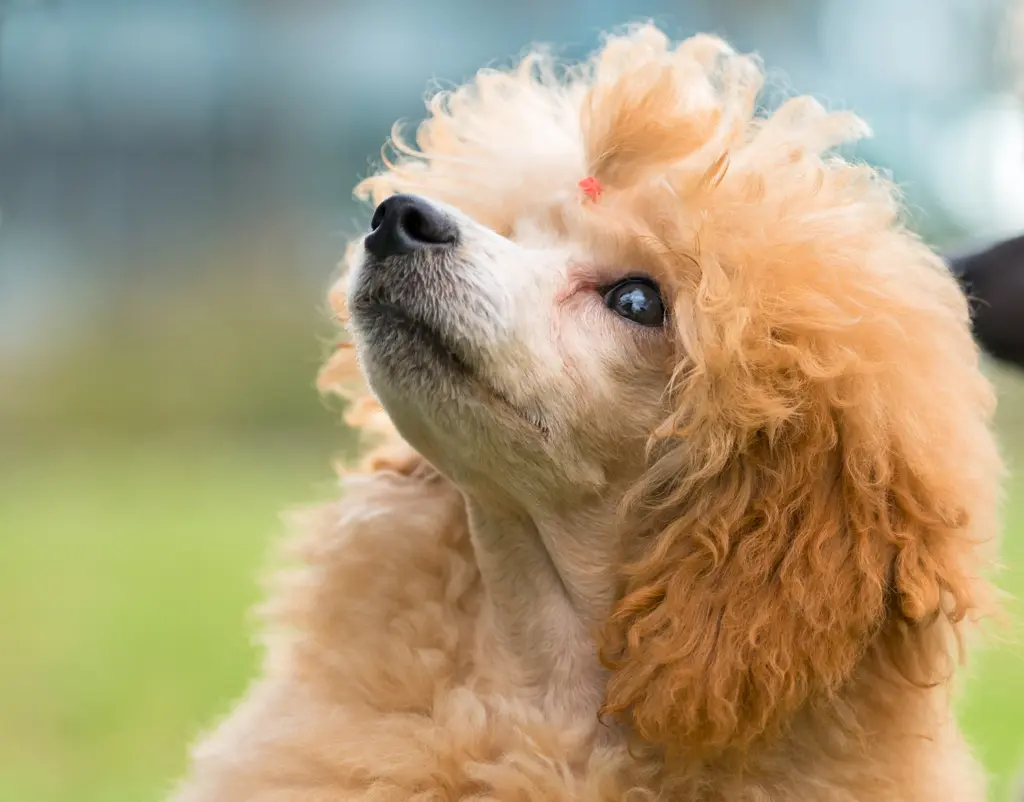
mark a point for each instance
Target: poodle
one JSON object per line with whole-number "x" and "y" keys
{"x": 684, "y": 487}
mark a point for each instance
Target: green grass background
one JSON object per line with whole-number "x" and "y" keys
{"x": 126, "y": 574}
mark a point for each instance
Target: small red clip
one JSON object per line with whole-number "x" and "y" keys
{"x": 591, "y": 187}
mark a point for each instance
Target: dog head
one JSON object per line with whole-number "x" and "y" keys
{"x": 727, "y": 326}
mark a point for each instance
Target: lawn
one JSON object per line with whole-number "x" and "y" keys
{"x": 125, "y": 576}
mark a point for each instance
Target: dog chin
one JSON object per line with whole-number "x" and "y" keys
{"x": 406, "y": 344}
{"x": 421, "y": 362}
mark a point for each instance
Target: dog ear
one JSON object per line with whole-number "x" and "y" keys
{"x": 994, "y": 279}
{"x": 766, "y": 580}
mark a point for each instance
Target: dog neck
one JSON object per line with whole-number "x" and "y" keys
{"x": 549, "y": 582}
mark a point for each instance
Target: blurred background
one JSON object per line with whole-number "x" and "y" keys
{"x": 174, "y": 195}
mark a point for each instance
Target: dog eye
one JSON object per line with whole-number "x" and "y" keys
{"x": 637, "y": 299}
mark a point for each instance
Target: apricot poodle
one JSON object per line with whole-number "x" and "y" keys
{"x": 686, "y": 487}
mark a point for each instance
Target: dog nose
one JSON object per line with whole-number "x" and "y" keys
{"x": 407, "y": 223}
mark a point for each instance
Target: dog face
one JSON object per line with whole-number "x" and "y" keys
{"x": 509, "y": 361}
{"x": 800, "y": 445}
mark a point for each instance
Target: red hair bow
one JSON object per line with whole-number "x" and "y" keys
{"x": 591, "y": 187}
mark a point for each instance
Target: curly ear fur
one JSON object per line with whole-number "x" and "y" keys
{"x": 827, "y": 479}
{"x": 768, "y": 585}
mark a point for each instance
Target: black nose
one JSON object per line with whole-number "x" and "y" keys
{"x": 407, "y": 223}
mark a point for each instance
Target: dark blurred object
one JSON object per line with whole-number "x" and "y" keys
{"x": 993, "y": 277}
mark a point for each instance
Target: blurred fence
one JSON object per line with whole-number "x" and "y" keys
{"x": 175, "y": 176}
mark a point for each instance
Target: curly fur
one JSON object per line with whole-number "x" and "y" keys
{"x": 806, "y": 540}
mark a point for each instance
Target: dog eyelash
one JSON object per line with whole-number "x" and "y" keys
{"x": 605, "y": 288}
